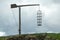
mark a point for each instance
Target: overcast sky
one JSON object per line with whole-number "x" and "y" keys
{"x": 9, "y": 17}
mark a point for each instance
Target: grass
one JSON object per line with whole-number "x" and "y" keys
{"x": 57, "y": 36}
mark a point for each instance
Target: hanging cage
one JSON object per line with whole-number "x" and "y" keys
{"x": 39, "y": 18}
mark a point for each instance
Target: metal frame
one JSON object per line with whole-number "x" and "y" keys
{"x": 15, "y": 6}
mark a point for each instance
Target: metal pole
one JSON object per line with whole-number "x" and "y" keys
{"x": 19, "y": 20}
{"x": 28, "y": 5}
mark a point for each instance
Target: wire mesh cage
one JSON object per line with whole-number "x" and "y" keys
{"x": 39, "y": 18}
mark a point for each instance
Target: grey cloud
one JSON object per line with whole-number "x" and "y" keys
{"x": 56, "y": 1}
{"x": 8, "y": 24}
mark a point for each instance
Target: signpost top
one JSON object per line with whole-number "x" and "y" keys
{"x": 14, "y": 5}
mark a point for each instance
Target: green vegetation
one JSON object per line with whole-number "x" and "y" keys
{"x": 54, "y": 35}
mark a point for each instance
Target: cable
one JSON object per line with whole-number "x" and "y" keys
{"x": 14, "y": 17}
{"x": 20, "y": 1}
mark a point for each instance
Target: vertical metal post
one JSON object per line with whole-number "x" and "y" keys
{"x": 19, "y": 20}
